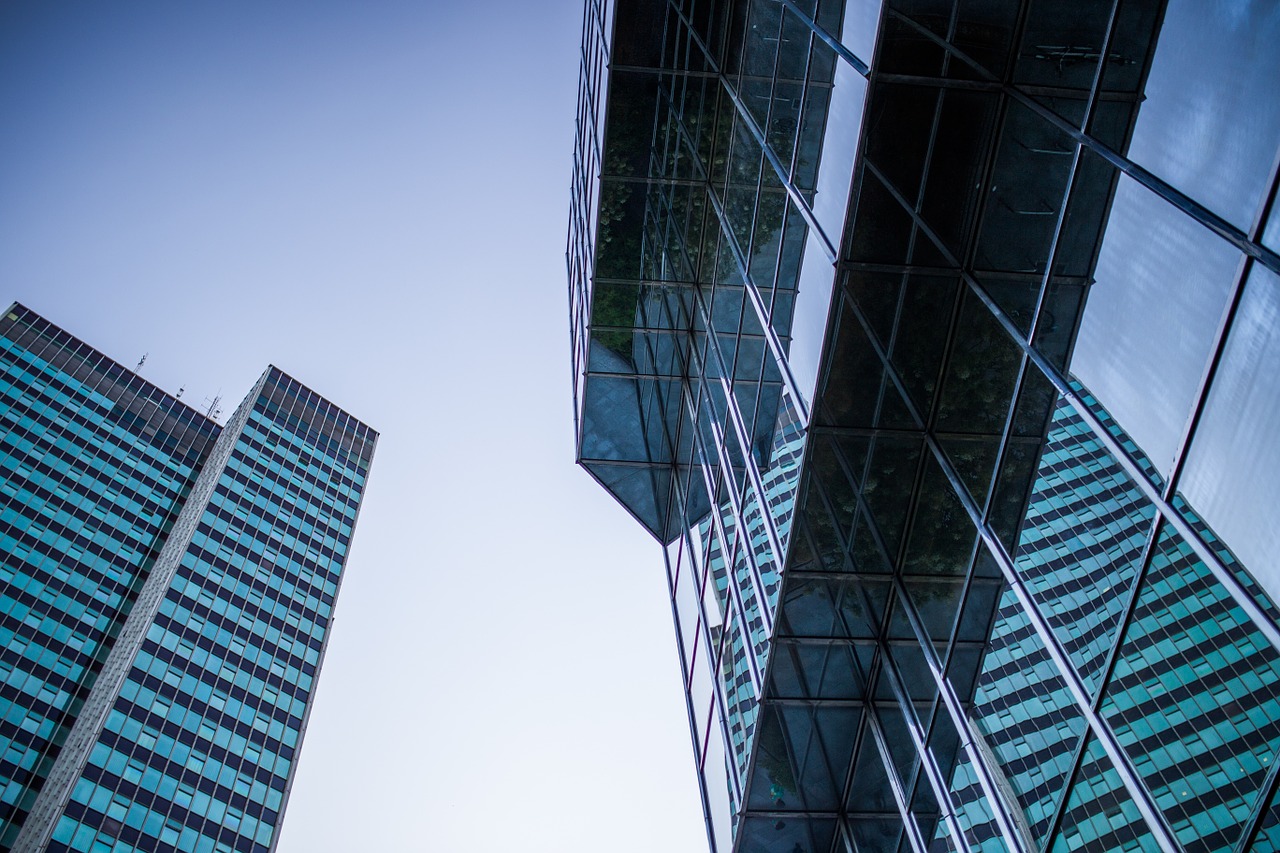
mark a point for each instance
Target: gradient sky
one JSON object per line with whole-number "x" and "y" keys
{"x": 373, "y": 196}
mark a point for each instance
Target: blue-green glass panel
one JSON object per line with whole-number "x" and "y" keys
{"x": 1195, "y": 699}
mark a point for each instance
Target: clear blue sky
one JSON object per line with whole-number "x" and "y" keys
{"x": 373, "y": 196}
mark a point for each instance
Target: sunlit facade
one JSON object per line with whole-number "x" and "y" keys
{"x": 166, "y": 587}
{"x": 982, "y": 302}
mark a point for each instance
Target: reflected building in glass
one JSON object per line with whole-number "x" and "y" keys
{"x": 166, "y": 589}
{"x": 938, "y": 343}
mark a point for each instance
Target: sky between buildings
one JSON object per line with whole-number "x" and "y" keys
{"x": 373, "y": 196}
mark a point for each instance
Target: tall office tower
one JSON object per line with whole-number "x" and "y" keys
{"x": 166, "y": 586}
{"x": 1007, "y": 274}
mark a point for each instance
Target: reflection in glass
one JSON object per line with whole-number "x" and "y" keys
{"x": 1100, "y": 815}
{"x": 844, "y": 120}
{"x": 1194, "y": 699}
{"x": 1083, "y": 542}
{"x": 1210, "y": 123}
{"x": 1271, "y": 236}
{"x": 809, "y": 325}
{"x": 1232, "y": 476}
{"x": 1161, "y": 284}
{"x": 861, "y": 24}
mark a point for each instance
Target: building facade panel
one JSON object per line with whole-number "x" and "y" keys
{"x": 96, "y": 463}
{"x": 186, "y": 736}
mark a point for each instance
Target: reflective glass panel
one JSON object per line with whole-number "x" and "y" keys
{"x": 860, "y": 26}
{"x": 1210, "y": 121}
{"x": 1232, "y": 478}
{"x": 848, "y": 96}
{"x": 1271, "y": 237}
{"x": 809, "y": 326}
{"x": 1161, "y": 284}
{"x": 1027, "y": 717}
{"x": 1195, "y": 699}
{"x": 1100, "y": 814}
{"x": 1083, "y": 541}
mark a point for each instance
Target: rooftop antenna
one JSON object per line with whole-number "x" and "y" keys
{"x": 180, "y": 390}
{"x": 212, "y": 411}
{"x": 141, "y": 362}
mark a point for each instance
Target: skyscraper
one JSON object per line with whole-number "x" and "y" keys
{"x": 166, "y": 588}
{"x": 1003, "y": 277}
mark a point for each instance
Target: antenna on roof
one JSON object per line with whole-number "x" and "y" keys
{"x": 141, "y": 362}
{"x": 180, "y": 390}
{"x": 212, "y": 411}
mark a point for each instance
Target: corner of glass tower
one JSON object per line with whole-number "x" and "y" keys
{"x": 935, "y": 343}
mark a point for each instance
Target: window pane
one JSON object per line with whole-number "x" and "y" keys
{"x": 1210, "y": 123}
{"x": 1161, "y": 284}
{"x": 1232, "y": 477}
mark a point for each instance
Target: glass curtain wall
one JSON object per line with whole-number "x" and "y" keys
{"x": 1003, "y": 277}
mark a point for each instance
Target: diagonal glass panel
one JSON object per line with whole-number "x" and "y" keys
{"x": 875, "y": 835}
{"x": 802, "y": 756}
{"x": 1161, "y": 266}
{"x": 1100, "y": 814}
{"x": 870, "y": 793}
{"x": 942, "y": 536}
{"x": 1268, "y": 838}
{"x": 1082, "y": 541}
{"x": 792, "y": 835}
{"x": 973, "y": 812}
{"x": 1236, "y": 436}
{"x": 1211, "y": 127}
{"x": 818, "y": 671}
{"x": 1195, "y": 699}
{"x": 888, "y": 485}
{"x": 1027, "y": 718}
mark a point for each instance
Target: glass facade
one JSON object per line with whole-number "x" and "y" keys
{"x": 96, "y": 463}
{"x": 936, "y": 341}
{"x": 169, "y": 585}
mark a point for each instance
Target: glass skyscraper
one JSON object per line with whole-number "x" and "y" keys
{"x": 937, "y": 342}
{"x": 166, "y": 586}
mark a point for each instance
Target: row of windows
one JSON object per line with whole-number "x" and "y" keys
{"x": 52, "y": 482}
{"x": 244, "y": 519}
{"x": 261, "y": 742}
{"x": 148, "y": 820}
{"x": 66, "y": 356}
{"x": 274, "y": 650}
{"x": 64, "y": 418}
{"x": 24, "y": 653}
{"x": 173, "y": 723}
{"x": 82, "y": 410}
{"x": 284, "y": 492}
{"x": 59, "y": 593}
{"x": 45, "y": 508}
{"x": 269, "y": 596}
{"x": 160, "y": 749}
{"x": 272, "y": 494}
{"x": 202, "y": 652}
{"x": 297, "y": 409}
{"x": 22, "y": 548}
{"x": 298, "y": 516}
{"x": 344, "y": 478}
{"x": 300, "y": 488}
{"x": 66, "y": 473}
{"x": 284, "y": 451}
